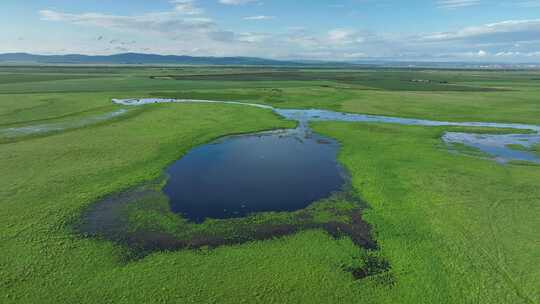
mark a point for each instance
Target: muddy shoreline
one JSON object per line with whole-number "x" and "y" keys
{"x": 109, "y": 220}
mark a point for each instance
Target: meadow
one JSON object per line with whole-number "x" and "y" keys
{"x": 447, "y": 227}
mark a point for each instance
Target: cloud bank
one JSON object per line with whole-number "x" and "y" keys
{"x": 187, "y": 29}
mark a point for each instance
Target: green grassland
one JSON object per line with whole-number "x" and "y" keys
{"x": 453, "y": 228}
{"x": 471, "y": 228}
{"x": 504, "y": 96}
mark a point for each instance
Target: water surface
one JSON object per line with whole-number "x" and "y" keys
{"x": 270, "y": 171}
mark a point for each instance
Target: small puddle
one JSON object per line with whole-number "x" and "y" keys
{"x": 269, "y": 171}
{"x": 497, "y": 145}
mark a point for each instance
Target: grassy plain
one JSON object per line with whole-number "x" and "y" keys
{"x": 454, "y": 228}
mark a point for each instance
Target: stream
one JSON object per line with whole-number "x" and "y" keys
{"x": 495, "y": 145}
{"x": 287, "y": 170}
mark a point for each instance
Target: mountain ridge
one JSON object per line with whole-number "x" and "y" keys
{"x": 139, "y": 58}
{"x": 156, "y": 59}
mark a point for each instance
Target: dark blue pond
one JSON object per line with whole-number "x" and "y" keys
{"x": 272, "y": 171}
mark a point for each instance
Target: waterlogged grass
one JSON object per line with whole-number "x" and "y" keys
{"x": 523, "y": 163}
{"x": 467, "y": 150}
{"x": 141, "y": 219}
{"x": 455, "y": 229}
{"x": 138, "y": 217}
{"x": 534, "y": 148}
{"x": 518, "y": 147}
{"x": 64, "y": 124}
{"x": 486, "y": 130}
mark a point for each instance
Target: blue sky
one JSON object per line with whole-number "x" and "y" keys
{"x": 440, "y": 30}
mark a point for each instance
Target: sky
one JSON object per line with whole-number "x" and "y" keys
{"x": 345, "y": 30}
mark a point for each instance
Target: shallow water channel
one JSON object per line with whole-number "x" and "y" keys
{"x": 36, "y": 129}
{"x": 289, "y": 169}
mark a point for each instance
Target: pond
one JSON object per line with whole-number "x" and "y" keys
{"x": 269, "y": 171}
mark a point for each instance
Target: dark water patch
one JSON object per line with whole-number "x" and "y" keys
{"x": 357, "y": 229}
{"x": 375, "y": 267}
{"x": 271, "y": 171}
{"x": 108, "y": 218}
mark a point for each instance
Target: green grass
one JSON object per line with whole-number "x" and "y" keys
{"x": 454, "y": 228}
{"x": 395, "y": 80}
{"x": 514, "y": 106}
{"x": 534, "y": 148}
{"x": 517, "y": 147}
{"x": 383, "y": 92}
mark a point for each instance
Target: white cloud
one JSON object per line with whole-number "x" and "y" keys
{"x": 182, "y": 31}
{"x": 341, "y": 36}
{"x": 533, "y": 54}
{"x": 253, "y": 37}
{"x": 481, "y": 53}
{"x": 187, "y": 7}
{"x": 453, "y": 4}
{"x": 170, "y": 23}
{"x": 526, "y": 4}
{"x": 518, "y": 54}
{"x": 260, "y": 17}
{"x": 355, "y": 55}
{"x": 236, "y": 2}
{"x": 507, "y": 54}
{"x": 510, "y": 30}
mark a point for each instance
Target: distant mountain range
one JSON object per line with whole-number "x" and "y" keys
{"x": 135, "y": 58}
{"x": 153, "y": 59}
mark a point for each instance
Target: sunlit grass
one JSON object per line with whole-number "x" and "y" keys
{"x": 454, "y": 228}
